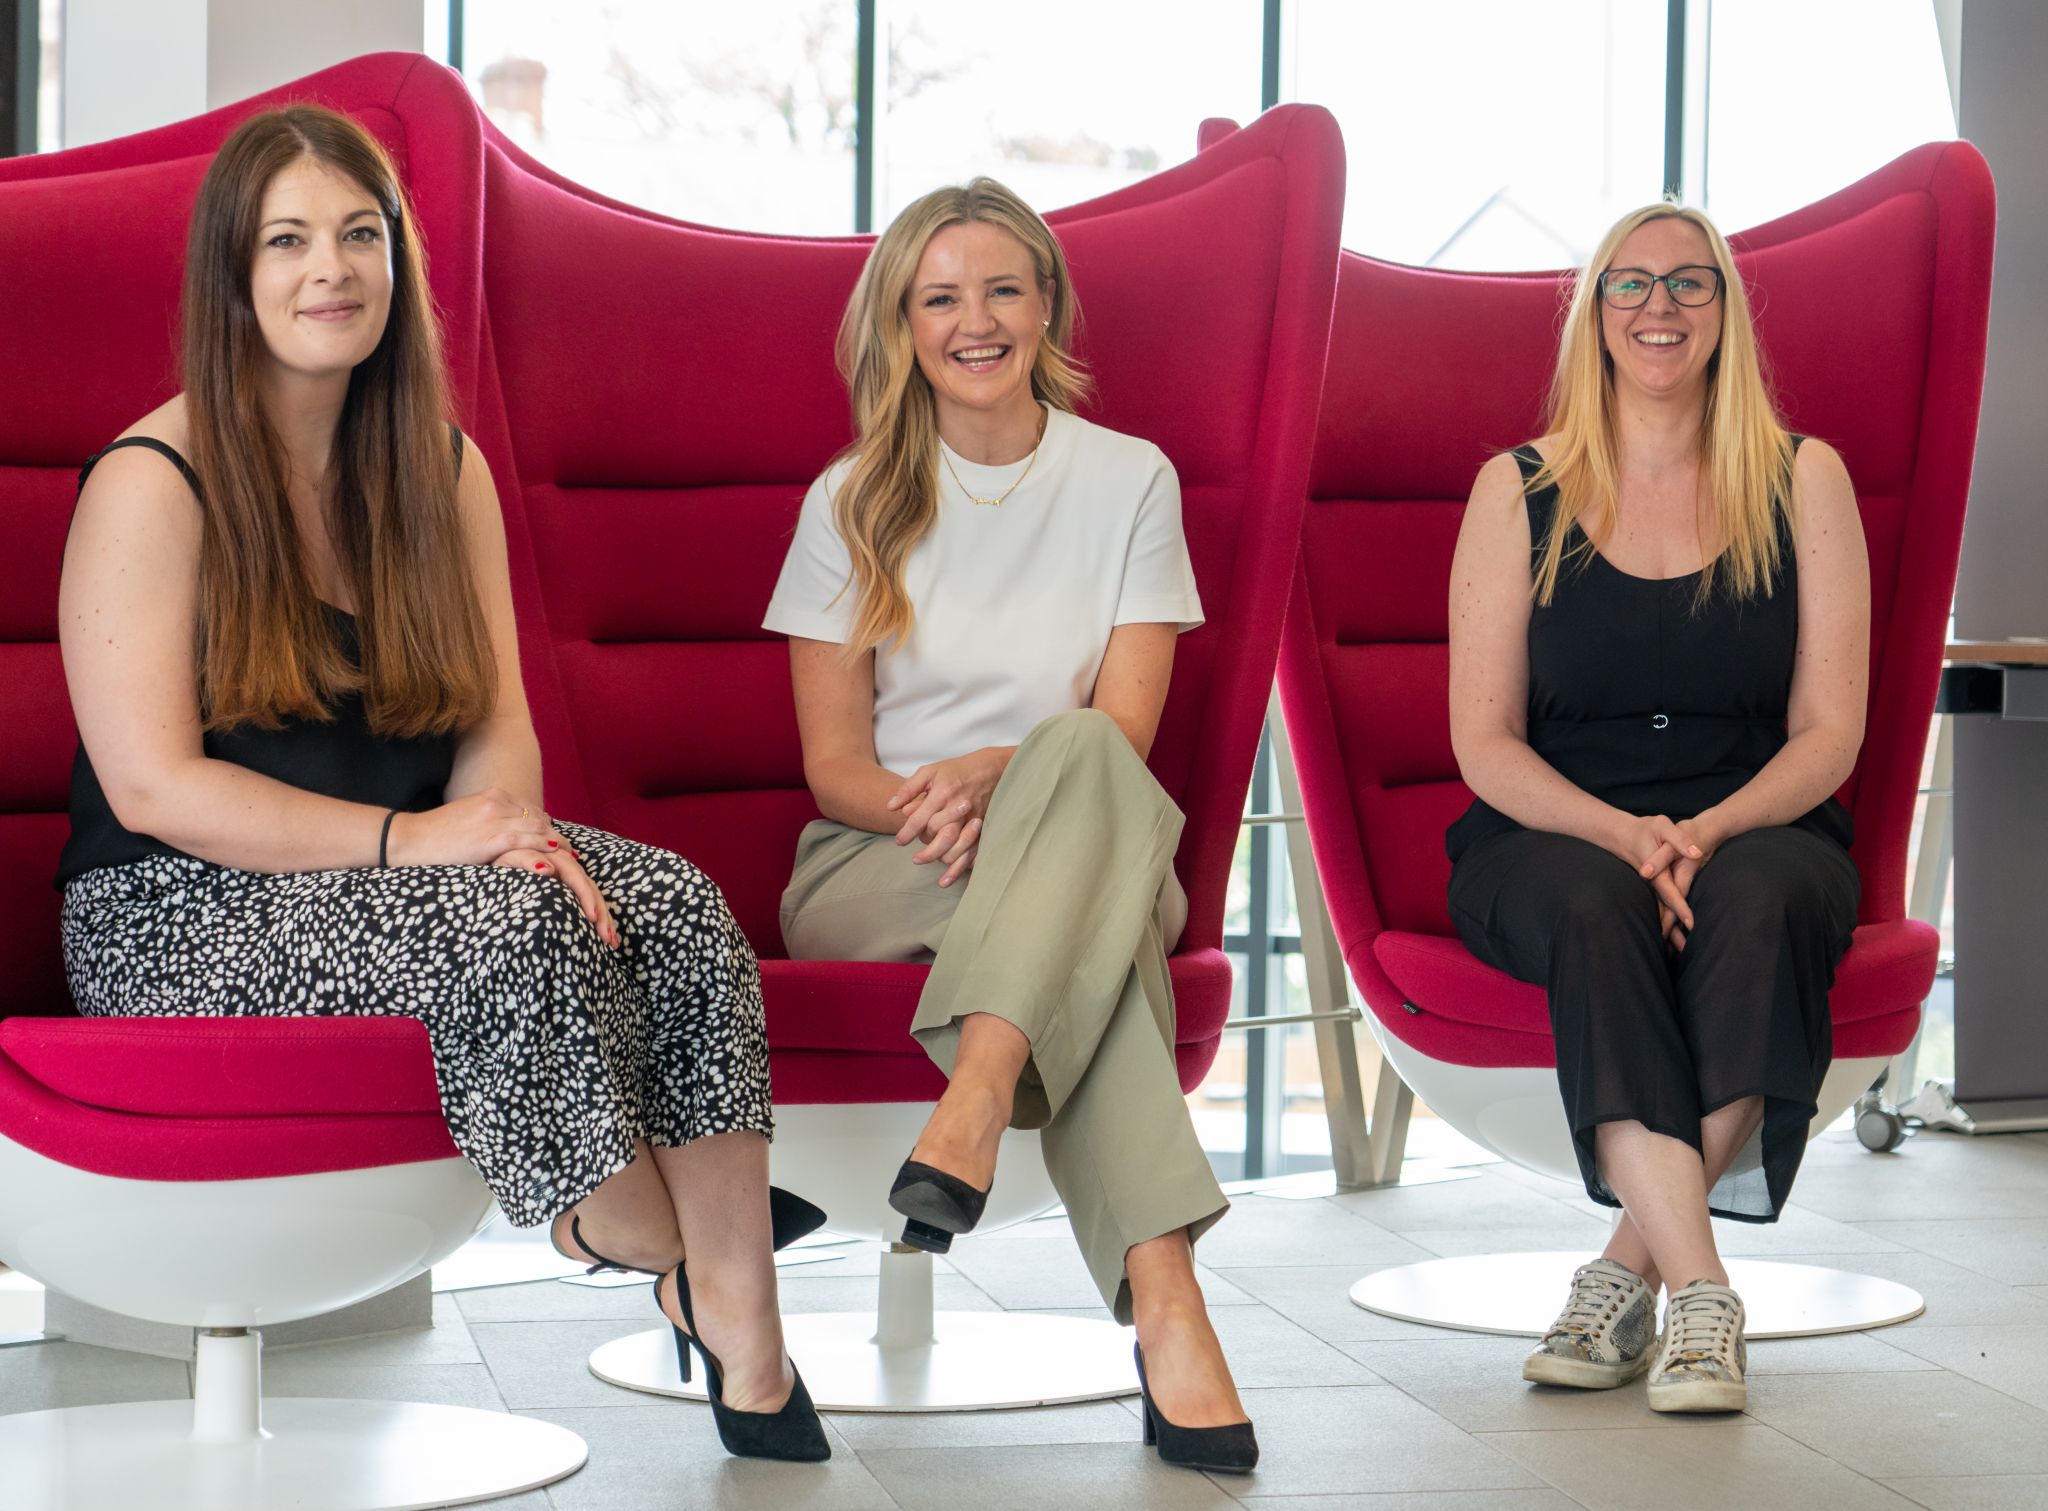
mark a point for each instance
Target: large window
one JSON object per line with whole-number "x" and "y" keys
{"x": 1480, "y": 134}
{"x": 739, "y": 115}
{"x": 1489, "y": 134}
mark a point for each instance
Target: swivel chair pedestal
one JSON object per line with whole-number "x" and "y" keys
{"x": 905, "y": 1355}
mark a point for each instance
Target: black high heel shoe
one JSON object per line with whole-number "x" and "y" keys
{"x": 794, "y": 1434}
{"x": 1230, "y": 1449}
{"x": 938, "y": 1206}
{"x": 790, "y": 1217}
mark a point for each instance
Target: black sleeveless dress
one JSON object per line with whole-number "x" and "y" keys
{"x": 1657, "y": 704}
{"x": 553, "y": 1052}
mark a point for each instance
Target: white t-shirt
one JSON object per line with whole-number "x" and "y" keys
{"x": 1013, "y": 605}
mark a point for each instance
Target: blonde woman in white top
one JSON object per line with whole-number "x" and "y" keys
{"x": 982, "y": 597}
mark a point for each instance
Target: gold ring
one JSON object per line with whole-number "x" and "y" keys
{"x": 524, "y": 811}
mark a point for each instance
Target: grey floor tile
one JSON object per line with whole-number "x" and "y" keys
{"x": 1267, "y": 1230}
{"x": 1318, "y": 1297}
{"x": 1908, "y": 1190}
{"x": 2013, "y": 1250}
{"x": 1798, "y": 1231}
{"x": 1833, "y": 1354}
{"x": 1567, "y": 1232}
{"x": 1113, "y": 1477}
{"x": 1366, "y": 1440}
{"x": 1645, "y": 1469}
{"x": 1955, "y": 1297}
{"x": 2009, "y": 1359}
{"x": 1481, "y": 1203}
{"x": 1265, "y": 1349}
{"x": 1981, "y": 1492}
{"x": 1474, "y": 1381}
{"x": 448, "y": 1341}
{"x": 554, "y": 1301}
{"x": 662, "y": 1461}
{"x": 304, "y": 1373}
{"x": 546, "y": 1365}
{"x": 40, "y": 1376}
{"x": 1091, "y": 1422}
{"x": 1418, "y": 1500}
{"x": 1890, "y": 1425}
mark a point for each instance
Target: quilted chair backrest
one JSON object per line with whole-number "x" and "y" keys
{"x": 92, "y": 247}
{"x": 669, "y": 393}
{"x": 1871, "y": 308}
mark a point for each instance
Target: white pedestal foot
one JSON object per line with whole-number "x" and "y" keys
{"x": 312, "y": 1456}
{"x": 978, "y": 1361}
{"x": 1521, "y": 1294}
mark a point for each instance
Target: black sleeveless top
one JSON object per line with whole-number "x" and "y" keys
{"x": 1643, "y": 697}
{"x": 341, "y": 758}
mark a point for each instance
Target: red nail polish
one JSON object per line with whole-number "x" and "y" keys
{"x": 540, "y": 865}
{"x": 554, "y": 844}
{"x": 577, "y": 853}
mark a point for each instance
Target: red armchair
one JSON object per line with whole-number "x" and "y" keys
{"x": 1405, "y": 427}
{"x": 652, "y": 458}
{"x": 652, "y": 398}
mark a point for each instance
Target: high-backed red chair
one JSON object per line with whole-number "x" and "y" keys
{"x": 660, "y": 422}
{"x": 1431, "y": 373}
{"x": 220, "y": 1174}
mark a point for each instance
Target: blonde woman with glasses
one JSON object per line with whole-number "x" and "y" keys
{"x": 1659, "y": 642}
{"x": 982, "y": 600}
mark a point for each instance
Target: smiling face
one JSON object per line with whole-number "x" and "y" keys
{"x": 1661, "y": 347}
{"x": 976, "y": 315}
{"x": 320, "y": 280}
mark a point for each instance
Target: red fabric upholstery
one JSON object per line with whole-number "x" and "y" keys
{"x": 653, "y": 398}
{"x": 1432, "y": 372}
{"x": 229, "y": 1067}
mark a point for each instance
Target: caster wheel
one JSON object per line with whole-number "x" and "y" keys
{"x": 1880, "y": 1130}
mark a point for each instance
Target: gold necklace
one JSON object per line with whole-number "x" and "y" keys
{"x": 997, "y": 501}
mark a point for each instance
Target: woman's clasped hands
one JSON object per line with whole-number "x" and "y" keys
{"x": 945, "y": 804}
{"x": 494, "y": 828}
{"x": 1668, "y": 854}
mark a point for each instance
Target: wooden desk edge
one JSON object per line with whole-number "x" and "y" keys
{"x": 1996, "y": 653}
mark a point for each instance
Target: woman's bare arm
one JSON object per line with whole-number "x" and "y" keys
{"x": 1831, "y": 669}
{"x": 126, "y": 611}
{"x": 1131, "y": 685}
{"x": 835, "y": 715}
{"x": 1489, "y": 683}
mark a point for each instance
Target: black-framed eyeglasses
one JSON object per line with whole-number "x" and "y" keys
{"x": 1628, "y": 288}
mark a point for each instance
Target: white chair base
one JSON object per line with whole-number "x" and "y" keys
{"x": 228, "y": 1450}
{"x": 1521, "y": 1294}
{"x": 907, "y": 1357}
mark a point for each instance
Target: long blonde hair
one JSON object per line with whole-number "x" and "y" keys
{"x": 1746, "y": 448}
{"x": 889, "y": 499}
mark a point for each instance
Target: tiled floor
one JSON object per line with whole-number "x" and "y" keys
{"x": 1947, "y": 1412}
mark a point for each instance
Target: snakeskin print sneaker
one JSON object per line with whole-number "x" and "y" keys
{"x": 1602, "y": 1337}
{"x": 1702, "y": 1357}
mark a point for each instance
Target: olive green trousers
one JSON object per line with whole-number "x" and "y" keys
{"x": 1061, "y": 928}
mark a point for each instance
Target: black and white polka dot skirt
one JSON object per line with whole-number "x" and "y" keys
{"x": 554, "y": 1051}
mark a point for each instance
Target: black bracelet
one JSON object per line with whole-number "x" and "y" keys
{"x": 384, "y": 842}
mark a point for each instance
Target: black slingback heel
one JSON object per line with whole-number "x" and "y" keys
{"x": 937, "y": 1205}
{"x": 1229, "y": 1449}
{"x": 794, "y": 1434}
{"x": 790, "y": 1217}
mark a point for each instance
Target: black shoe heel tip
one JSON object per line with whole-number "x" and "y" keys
{"x": 922, "y": 1235}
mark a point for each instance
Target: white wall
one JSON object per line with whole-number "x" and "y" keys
{"x": 254, "y": 45}
{"x": 130, "y": 65}
{"x": 133, "y": 64}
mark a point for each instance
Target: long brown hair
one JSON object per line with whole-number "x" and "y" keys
{"x": 1745, "y": 448}
{"x": 890, "y": 498}
{"x": 265, "y": 653}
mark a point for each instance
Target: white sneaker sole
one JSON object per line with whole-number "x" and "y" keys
{"x": 1582, "y": 1374}
{"x": 1699, "y": 1395}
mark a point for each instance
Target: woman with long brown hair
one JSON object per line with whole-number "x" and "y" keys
{"x": 1659, "y": 644}
{"x": 982, "y": 600}
{"x": 307, "y": 781}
